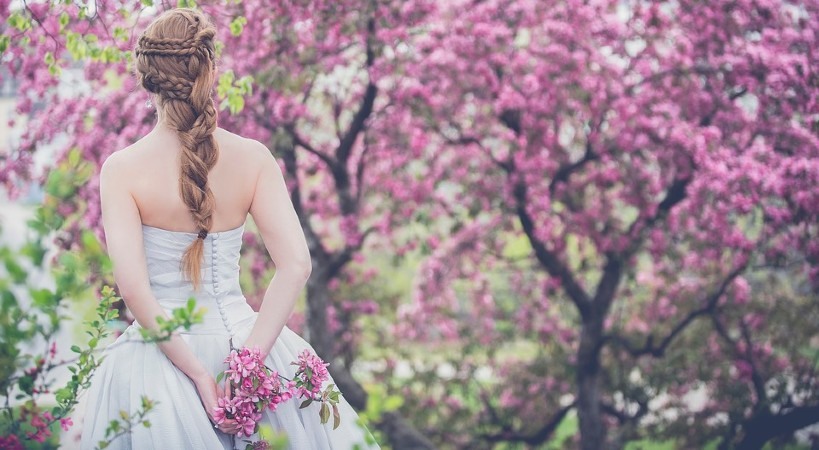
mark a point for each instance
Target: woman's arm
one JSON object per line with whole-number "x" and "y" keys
{"x": 279, "y": 226}
{"x": 123, "y": 234}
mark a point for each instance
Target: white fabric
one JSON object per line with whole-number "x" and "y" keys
{"x": 132, "y": 368}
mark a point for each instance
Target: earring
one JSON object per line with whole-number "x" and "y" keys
{"x": 148, "y": 103}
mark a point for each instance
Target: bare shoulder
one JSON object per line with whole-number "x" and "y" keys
{"x": 240, "y": 145}
{"x": 117, "y": 165}
{"x": 250, "y": 155}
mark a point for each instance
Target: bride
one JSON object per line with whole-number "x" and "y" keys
{"x": 174, "y": 206}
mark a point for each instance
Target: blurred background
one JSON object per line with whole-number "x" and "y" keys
{"x": 534, "y": 224}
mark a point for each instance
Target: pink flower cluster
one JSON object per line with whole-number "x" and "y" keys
{"x": 256, "y": 387}
{"x": 311, "y": 374}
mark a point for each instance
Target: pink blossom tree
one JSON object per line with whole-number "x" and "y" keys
{"x": 612, "y": 181}
{"x": 655, "y": 157}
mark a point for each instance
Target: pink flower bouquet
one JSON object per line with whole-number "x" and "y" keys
{"x": 256, "y": 387}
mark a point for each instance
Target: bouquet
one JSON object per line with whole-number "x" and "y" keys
{"x": 256, "y": 387}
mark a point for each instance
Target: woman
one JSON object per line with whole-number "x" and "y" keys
{"x": 173, "y": 209}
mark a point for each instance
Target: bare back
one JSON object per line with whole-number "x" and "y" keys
{"x": 155, "y": 185}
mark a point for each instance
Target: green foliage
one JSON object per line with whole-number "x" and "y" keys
{"x": 32, "y": 315}
{"x": 275, "y": 440}
{"x": 378, "y": 403}
{"x": 86, "y": 362}
{"x": 126, "y": 422}
{"x": 19, "y": 21}
{"x": 233, "y": 90}
{"x": 237, "y": 25}
{"x": 184, "y": 317}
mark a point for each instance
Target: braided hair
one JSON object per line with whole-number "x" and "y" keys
{"x": 175, "y": 59}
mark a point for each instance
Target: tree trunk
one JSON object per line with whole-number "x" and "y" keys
{"x": 317, "y": 327}
{"x": 400, "y": 433}
{"x": 592, "y": 428}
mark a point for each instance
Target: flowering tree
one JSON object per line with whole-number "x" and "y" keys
{"x": 659, "y": 160}
{"x": 319, "y": 69}
{"x": 615, "y": 182}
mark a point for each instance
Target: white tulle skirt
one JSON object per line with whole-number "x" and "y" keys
{"x": 132, "y": 369}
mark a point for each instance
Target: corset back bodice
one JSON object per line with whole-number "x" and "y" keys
{"x": 219, "y": 291}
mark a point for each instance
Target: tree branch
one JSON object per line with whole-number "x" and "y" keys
{"x": 288, "y": 153}
{"x": 301, "y": 142}
{"x": 674, "y": 195}
{"x": 564, "y": 172}
{"x": 549, "y": 260}
{"x": 622, "y": 417}
{"x": 607, "y": 287}
{"x": 657, "y": 351}
{"x": 338, "y": 259}
{"x": 763, "y": 427}
{"x": 345, "y": 145}
{"x": 538, "y": 437}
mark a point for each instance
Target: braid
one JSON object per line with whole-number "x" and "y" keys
{"x": 175, "y": 58}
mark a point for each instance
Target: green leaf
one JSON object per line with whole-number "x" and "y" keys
{"x": 238, "y": 25}
{"x": 236, "y": 104}
{"x": 55, "y": 70}
{"x": 26, "y": 384}
{"x": 336, "y": 417}
{"x": 121, "y": 34}
{"x": 324, "y": 413}
{"x": 17, "y": 273}
{"x": 74, "y": 156}
{"x": 393, "y": 402}
{"x": 306, "y": 403}
{"x": 63, "y": 394}
{"x": 18, "y": 21}
{"x": 64, "y": 19}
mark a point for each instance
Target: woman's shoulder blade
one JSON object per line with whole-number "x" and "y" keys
{"x": 242, "y": 145}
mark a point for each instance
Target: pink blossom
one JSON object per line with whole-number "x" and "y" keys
{"x": 66, "y": 423}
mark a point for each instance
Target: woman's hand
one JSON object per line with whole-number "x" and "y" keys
{"x": 209, "y": 393}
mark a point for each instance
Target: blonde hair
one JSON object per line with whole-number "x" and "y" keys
{"x": 175, "y": 59}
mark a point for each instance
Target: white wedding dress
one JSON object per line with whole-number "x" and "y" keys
{"x": 178, "y": 419}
